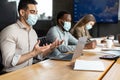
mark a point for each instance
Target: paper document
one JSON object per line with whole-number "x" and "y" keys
{"x": 93, "y": 50}
{"x": 117, "y": 53}
{"x": 89, "y": 65}
{"x": 111, "y": 49}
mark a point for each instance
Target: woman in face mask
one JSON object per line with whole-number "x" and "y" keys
{"x": 83, "y": 25}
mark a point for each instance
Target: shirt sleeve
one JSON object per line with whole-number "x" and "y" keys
{"x": 52, "y": 35}
{"x": 64, "y": 48}
{"x": 15, "y": 60}
{"x": 40, "y": 57}
{"x": 7, "y": 45}
{"x": 72, "y": 40}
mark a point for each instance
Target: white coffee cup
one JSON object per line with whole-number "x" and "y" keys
{"x": 111, "y": 37}
{"x": 109, "y": 43}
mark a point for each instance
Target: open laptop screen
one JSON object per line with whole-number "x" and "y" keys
{"x": 77, "y": 53}
{"x": 79, "y": 48}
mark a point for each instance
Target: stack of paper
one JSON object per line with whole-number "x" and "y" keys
{"x": 89, "y": 65}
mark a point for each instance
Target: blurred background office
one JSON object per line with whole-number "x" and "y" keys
{"x": 9, "y": 15}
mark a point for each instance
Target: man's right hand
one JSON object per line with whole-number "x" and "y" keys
{"x": 46, "y": 49}
{"x": 40, "y": 49}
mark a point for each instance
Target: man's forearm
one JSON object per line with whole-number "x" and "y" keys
{"x": 26, "y": 57}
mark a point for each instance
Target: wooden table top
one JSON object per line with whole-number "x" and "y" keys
{"x": 58, "y": 70}
{"x": 114, "y": 72}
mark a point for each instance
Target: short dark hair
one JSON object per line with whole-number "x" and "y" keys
{"x": 61, "y": 14}
{"x": 23, "y": 4}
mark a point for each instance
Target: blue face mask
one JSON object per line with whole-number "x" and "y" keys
{"x": 88, "y": 26}
{"x": 32, "y": 19}
{"x": 67, "y": 25}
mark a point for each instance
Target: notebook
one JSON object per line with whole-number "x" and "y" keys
{"x": 77, "y": 53}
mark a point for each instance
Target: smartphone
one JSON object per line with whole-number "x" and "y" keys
{"x": 109, "y": 57}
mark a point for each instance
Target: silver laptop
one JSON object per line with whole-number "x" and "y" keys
{"x": 77, "y": 53}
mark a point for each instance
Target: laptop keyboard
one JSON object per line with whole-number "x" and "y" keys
{"x": 62, "y": 55}
{"x": 69, "y": 57}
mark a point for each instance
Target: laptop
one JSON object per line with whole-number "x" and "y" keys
{"x": 77, "y": 53}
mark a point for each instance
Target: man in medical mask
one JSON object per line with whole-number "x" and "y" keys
{"x": 18, "y": 41}
{"x": 61, "y": 32}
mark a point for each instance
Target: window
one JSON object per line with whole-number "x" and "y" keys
{"x": 44, "y": 8}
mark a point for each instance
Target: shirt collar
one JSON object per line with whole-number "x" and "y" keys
{"x": 61, "y": 29}
{"x": 21, "y": 25}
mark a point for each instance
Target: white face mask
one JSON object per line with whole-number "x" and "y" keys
{"x": 32, "y": 19}
{"x": 88, "y": 26}
{"x": 67, "y": 25}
